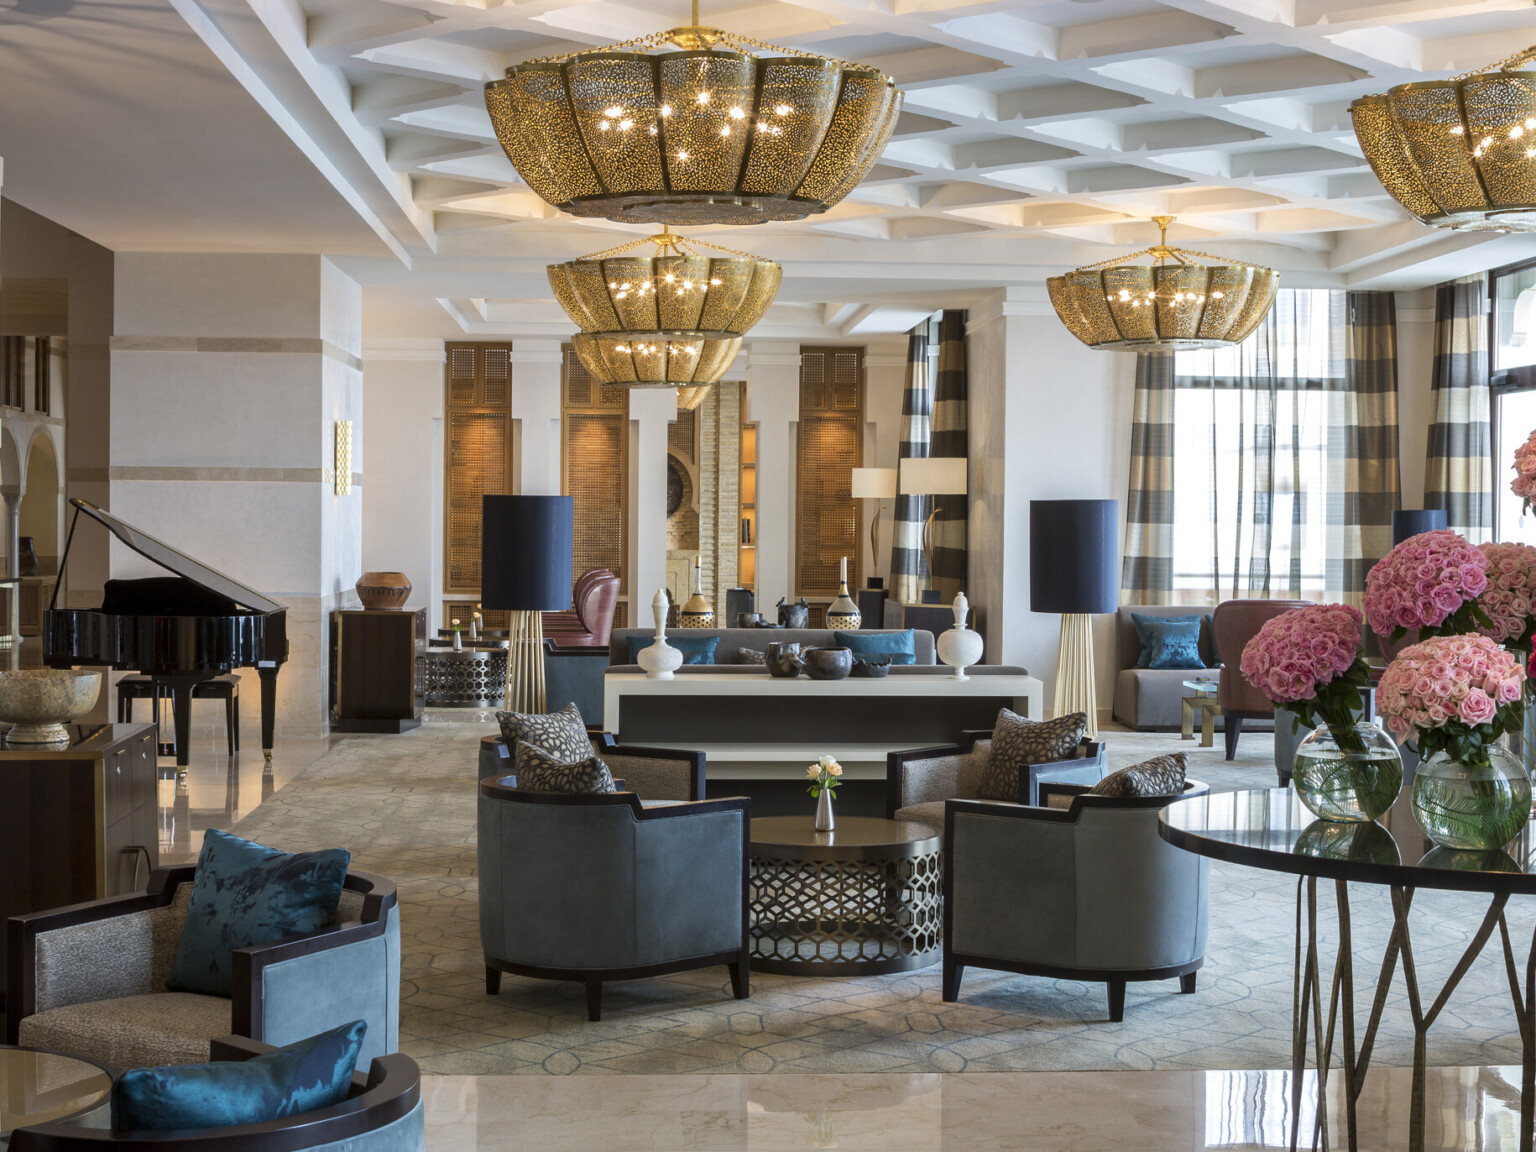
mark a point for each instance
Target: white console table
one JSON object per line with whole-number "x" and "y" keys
{"x": 754, "y": 726}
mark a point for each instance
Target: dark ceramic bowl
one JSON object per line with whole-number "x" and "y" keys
{"x": 827, "y": 663}
{"x": 780, "y": 658}
{"x": 872, "y": 667}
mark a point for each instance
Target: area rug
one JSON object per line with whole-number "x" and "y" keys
{"x": 405, "y": 807}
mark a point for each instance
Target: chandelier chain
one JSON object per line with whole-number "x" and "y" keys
{"x": 732, "y": 39}
{"x": 1162, "y": 250}
{"x": 672, "y": 240}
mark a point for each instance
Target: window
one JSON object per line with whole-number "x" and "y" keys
{"x": 1512, "y": 392}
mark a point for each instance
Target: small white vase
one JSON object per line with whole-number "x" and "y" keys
{"x": 824, "y": 821}
{"x": 660, "y": 659}
{"x": 960, "y": 646}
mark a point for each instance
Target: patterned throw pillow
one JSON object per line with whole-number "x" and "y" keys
{"x": 1159, "y": 776}
{"x": 1168, "y": 641}
{"x": 751, "y": 656}
{"x": 561, "y": 734}
{"x": 1017, "y": 742}
{"x": 537, "y": 771}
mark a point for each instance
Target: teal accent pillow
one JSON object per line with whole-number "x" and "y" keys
{"x": 247, "y": 894}
{"x": 1168, "y": 641}
{"x": 303, "y": 1077}
{"x": 901, "y": 647}
{"x": 695, "y": 649}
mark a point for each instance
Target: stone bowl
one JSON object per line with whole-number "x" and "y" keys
{"x": 827, "y": 663}
{"x": 871, "y": 667}
{"x": 40, "y": 701}
{"x": 781, "y": 658}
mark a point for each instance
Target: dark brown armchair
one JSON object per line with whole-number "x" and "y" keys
{"x": 1234, "y": 623}
{"x": 590, "y": 622}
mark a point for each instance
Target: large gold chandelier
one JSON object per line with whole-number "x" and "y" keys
{"x": 1173, "y": 303}
{"x": 704, "y": 132}
{"x": 1458, "y": 153}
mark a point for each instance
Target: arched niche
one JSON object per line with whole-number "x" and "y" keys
{"x": 40, "y": 512}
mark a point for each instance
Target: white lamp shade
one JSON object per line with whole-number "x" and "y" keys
{"x": 874, "y": 483}
{"x": 934, "y": 476}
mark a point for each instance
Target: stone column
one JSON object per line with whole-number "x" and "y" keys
{"x": 229, "y": 373}
{"x": 536, "y": 416}
{"x": 773, "y": 404}
{"x": 650, "y": 411}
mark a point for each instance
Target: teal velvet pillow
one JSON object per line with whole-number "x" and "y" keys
{"x": 303, "y": 1077}
{"x": 1168, "y": 641}
{"x": 901, "y": 647}
{"x": 247, "y": 894}
{"x": 695, "y": 649}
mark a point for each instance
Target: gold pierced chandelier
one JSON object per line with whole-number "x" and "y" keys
{"x": 707, "y": 133}
{"x": 1458, "y": 153}
{"x": 1178, "y": 305}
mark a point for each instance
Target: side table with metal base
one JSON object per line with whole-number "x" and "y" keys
{"x": 1203, "y": 701}
{"x": 468, "y": 678}
{"x": 40, "y": 1087}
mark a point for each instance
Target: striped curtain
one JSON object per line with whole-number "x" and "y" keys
{"x": 1147, "y": 567}
{"x": 950, "y": 438}
{"x": 1364, "y": 478}
{"x": 916, "y": 420}
{"x": 1458, "y": 475}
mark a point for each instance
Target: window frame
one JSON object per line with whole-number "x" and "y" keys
{"x": 1501, "y": 382}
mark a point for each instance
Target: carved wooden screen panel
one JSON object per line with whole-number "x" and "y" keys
{"x": 594, "y": 422}
{"x": 827, "y": 450}
{"x": 479, "y": 457}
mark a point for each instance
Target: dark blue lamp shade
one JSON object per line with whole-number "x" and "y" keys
{"x": 1412, "y": 521}
{"x": 526, "y": 549}
{"x": 1074, "y": 556}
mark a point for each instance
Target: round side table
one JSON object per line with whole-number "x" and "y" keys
{"x": 468, "y": 678}
{"x": 38, "y": 1087}
{"x": 862, "y": 900}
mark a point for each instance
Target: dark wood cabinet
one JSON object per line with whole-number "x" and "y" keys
{"x": 77, "y": 823}
{"x": 374, "y": 682}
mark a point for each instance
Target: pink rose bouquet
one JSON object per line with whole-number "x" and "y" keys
{"x": 1308, "y": 662}
{"x": 1509, "y": 602}
{"x": 1456, "y": 694}
{"x": 1428, "y": 584}
{"x": 1524, "y": 483}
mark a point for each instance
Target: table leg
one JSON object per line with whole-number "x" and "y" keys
{"x": 1208, "y": 726}
{"x": 1187, "y": 718}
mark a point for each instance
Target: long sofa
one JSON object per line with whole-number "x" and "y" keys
{"x": 758, "y": 639}
{"x": 1149, "y": 699}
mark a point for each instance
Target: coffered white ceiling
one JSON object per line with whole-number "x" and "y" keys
{"x": 1037, "y": 134}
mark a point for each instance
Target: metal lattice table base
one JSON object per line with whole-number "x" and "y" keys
{"x": 463, "y": 679}
{"x": 846, "y": 917}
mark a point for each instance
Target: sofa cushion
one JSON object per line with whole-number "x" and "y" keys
{"x": 303, "y": 1077}
{"x": 759, "y": 638}
{"x": 899, "y": 646}
{"x": 132, "y": 1031}
{"x": 695, "y": 649}
{"x": 1159, "y": 776}
{"x": 562, "y": 734}
{"x": 245, "y": 894}
{"x": 1168, "y": 641}
{"x": 1017, "y": 742}
{"x": 538, "y": 771}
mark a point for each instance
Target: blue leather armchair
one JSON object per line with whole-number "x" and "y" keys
{"x": 1089, "y": 892}
{"x": 595, "y": 888}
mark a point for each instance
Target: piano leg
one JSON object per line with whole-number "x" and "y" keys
{"x": 268, "y": 708}
{"x": 181, "y": 707}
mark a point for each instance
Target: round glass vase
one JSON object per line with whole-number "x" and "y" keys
{"x": 1472, "y": 807}
{"x": 1350, "y": 776}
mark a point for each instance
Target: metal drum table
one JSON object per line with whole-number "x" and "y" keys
{"x": 1270, "y": 829}
{"x": 467, "y": 678}
{"x": 38, "y": 1087}
{"x": 862, "y": 900}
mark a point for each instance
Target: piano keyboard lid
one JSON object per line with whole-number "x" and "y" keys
{"x": 178, "y": 562}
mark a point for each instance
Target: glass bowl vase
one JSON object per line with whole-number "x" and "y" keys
{"x": 1349, "y": 775}
{"x": 1472, "y": 807}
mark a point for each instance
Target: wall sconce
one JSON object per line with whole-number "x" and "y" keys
{"x": 343, "y": 457}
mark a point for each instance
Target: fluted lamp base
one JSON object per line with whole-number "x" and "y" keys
{"x": 525, "y": 663}
{"x": 1075, "y": 688}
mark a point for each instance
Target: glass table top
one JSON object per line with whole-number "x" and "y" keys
{"x": 1270, "y": 828}
{"x": 1203, "y": 687}
{"x": 852, "y": 832}
{"x": 36, "y": 1087}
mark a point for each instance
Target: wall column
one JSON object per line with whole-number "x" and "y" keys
{"x": 536, "y": 416}
{"x": 261, "y": 355}
{"x": 773, "y": 404}
{"x": 650, "y": 411}
{"x": 885, "y": 381}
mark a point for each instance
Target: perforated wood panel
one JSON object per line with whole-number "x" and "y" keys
{"x": 479, "y": 458}
{"x": 594, "y": 463}
{"x": 827, "y": 450}
{"x": 13, "y": 370}
{"x": 493, "y": 619}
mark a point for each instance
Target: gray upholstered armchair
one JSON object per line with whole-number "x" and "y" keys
{"x": 602, "y": 887}
{"x": 651, "y": 773}
{"x": 1090, "y": 892}
{"x": 90, "y": 979}
{"x": 917, "y": 783}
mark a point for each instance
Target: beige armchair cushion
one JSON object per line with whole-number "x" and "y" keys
{"x": 133, "y": 1031}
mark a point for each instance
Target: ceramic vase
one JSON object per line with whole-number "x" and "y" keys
{"x": 381, "y": 590}
{"x": 1349, "y": 776}
{"x": 843, "y": 614}
{"x": 1472, "y": 807}
{"x": 697, "y": 611}
{"x": 960, "y": 646}
{"x": 824, "y": 821}
{"x": 660, "y": 659}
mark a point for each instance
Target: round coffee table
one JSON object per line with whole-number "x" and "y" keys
{"x": 862, "y": 900}
{"x": 38, "y": 1087}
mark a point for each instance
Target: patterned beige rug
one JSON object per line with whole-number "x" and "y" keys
{"x": 405, "y": 807}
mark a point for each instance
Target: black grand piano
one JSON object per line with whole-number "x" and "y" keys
{"x": 180, "y": 629}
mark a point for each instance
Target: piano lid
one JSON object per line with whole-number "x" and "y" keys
{"x": 178, "y": 562}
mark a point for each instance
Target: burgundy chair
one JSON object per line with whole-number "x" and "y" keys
{"x": 1233, "y": 624}
{"x": 588, "y": 625}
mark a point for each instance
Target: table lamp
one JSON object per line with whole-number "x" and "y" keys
{"x": 526, "y": 555}
{"x": 875, "y": 484}
{"x": 1073, "y": 562}
{"x": 932, "y": 476}
{"x": 1408, "y": 522}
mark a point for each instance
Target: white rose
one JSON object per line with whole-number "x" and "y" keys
{"x": 813, "y": 771}
{"x": 455, "y": 621}
{"x": 836, "y": 769}
{"x": 826, "y": 762}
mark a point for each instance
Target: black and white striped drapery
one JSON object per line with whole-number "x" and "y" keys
{"x": 907, "y": 563}
{"x": 1458, "y": 472}
{"x": 951, "y": 437}
{"x": 1147, "y": 564}
{"x": 1364, "y": 476}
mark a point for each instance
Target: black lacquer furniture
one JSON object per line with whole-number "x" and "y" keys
{"x": 375, "y": 681}
{"x": 225, "y": 688}
{"x": 1270, "y": 829}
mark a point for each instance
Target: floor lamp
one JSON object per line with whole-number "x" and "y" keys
{"x": 1073, "y": 571}
{"x": 932, "y": 476}
{"x": 526, "y": 549}
{"x": 875, "y": 484}
{"x": 1408, "y": 522}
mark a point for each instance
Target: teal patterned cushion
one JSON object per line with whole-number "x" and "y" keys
{"x": 302, "y": 1077}
{"x": 901, "y": 647}
{"x": 1168, "y": 641}
{"x": 245, "y": 894}
{"x": 695, "y": 649}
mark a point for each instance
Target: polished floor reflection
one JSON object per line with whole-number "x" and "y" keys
{"x": 1471, "y": 1110}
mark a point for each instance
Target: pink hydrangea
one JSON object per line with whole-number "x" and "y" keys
{"x": 1524, "y": 483}
{"x": 1297, "y": 652}
{"x": 1422, "y": 581}
{"x": 1509, "y": 601}
{"x": 1446, "y": 680}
